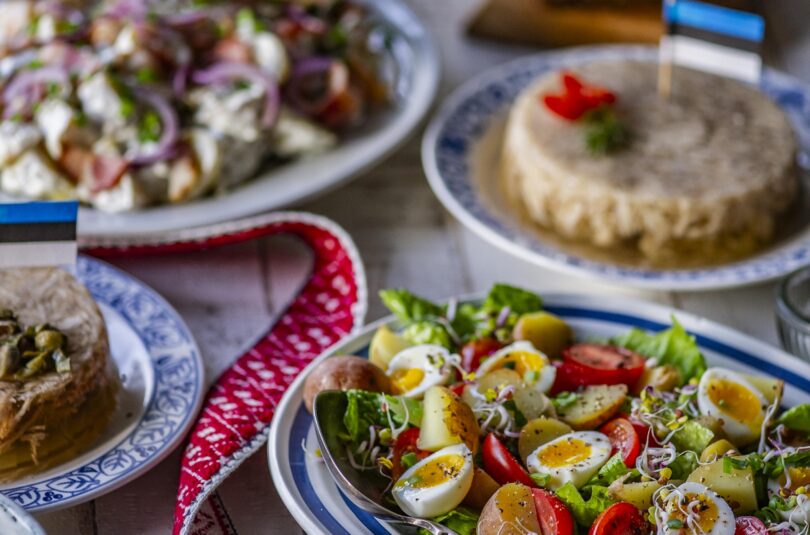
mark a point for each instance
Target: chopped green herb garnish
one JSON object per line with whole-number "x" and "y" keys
{"x": 150, "y": 127}
{"x": 604, "y": 133}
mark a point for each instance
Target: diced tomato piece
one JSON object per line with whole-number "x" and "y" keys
{"x": 458, "y": 388}
{"x": 501, "y": 465}
{"x": 571, "y": 83}
{"x": 553, "y": 515}
{"x": 624, "y": 439}
{"x": 620, "y": 519}
{"x": 475, "y": 350}
{"x": 750, "y": 525}
{"x": 596, "y": 364}
{"x": 564, "y": 106}
{"x": 404, "y": 444}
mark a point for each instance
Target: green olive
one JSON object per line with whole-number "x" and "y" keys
{"x": 49, "y": 340}
{"x": 545, "y": 331}
{"x": 9, "y": 359}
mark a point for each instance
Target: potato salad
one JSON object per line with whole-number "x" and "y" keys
{"x": 129, "y": 103}
{"x": 493, "y": 418}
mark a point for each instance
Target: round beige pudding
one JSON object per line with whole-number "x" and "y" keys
{"x": 706, "y": 173}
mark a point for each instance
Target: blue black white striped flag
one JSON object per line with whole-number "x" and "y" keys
{"x": 713, "y": 38}
{"x": 38, "y": 233}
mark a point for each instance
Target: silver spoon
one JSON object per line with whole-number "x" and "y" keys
{"x": 365, "y": 488}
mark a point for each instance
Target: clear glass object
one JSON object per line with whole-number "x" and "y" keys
{"x": 793, "y": 313}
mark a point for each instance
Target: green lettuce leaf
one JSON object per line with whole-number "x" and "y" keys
{"x": 364, "y": 409}
{"x": 408, "y": 307}
{"x": 612, "y": 470}
{"x": 693, "y": 436}
{"x": 462, "y": 520}
{"x": 427, "y": 332}
{"x": 683, "y": 465}
{"x": 518, "y": 300}
{"x": 674, "y": 346}
{"x": 797, "y": 418}
{"x": 585, "y": 511}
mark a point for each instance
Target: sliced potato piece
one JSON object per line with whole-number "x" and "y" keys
{"x": 737, "y": 488}
{"x": 545, "y": 331}
{"x": 595, "y": 405}
{"x": 384, "y": 345}
{"x": 538, "y": 432}
{"x": 715, "y": 450}
{"x": 482, "y": 489}
{"x": 446, "y": 420}
{"x": 510, "y": 511}
{"x": 663, "y": 377}
{"x": 639, "y": 494}
{"x": 499, "y": 379}
{"x": 532, "y": 403}
{"x": 771, "y": 388}
{"x": 344, "y": 373}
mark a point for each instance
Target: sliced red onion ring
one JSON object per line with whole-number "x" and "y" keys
{"x": 231, "y": 70}
{"x": 24, "y": 83}
{"x": 169, "y": 127}
{"x": 338, "y": 83}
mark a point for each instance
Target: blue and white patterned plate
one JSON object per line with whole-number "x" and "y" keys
{"x": 162, "y": 377}
{"x": 316, "y": 503}
{"x": 461, "y": 148}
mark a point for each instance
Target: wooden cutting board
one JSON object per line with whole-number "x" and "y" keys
{"x": 538, "y": 22}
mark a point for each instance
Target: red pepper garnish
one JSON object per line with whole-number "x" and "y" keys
{"x": 577, "y": 98}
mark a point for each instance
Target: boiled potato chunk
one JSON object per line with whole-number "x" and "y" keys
{"x": 639, "y": 494}
{"x": 482, "y": 489}
{"x": 771, "y": 388}
{"x": 737, "y": 488}
{"x": 545, "y": 331}
{"x": 446, "y": 420}
{"x": 345, "y": 372}
{"x": 595, "y": 405}
{"x": 532, "y": 403}
{"x": 538, "y": 432}
{"x": 384, "y": 345}
{"x": 499, "y": 379}
{"x": 716, "y": 450}
{"x": 510, "y": 511}
{"x": 663, "y": 378}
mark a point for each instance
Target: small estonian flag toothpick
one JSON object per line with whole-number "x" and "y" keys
{"x": 38, "y": 233}
{"x": 710, "y": 38}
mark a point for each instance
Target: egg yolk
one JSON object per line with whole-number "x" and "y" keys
{"x": 407, "y": 379}
{"x": 736, "y": 401}
{"x": 799, "y": 477}
{"x": 521, "y": 362}
{"x": 704, "y": 512}
{"x": 564, "y": 453}
{"x": 435, "y": 472}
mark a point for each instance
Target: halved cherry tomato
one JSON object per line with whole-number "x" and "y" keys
{"x": 458, "y": 388}
{"x": 620, "y": 519}
{"x": 404, "y": 444}
{"x": 553, "y": 515}
{"x": 562, "y": 381}
{"x": 501, "y": 465}
{"x": 750, "y": 525}
{"x": 473, "y": 351}
{"x": 624, "y": 439}
{"x": 596, "y": 364}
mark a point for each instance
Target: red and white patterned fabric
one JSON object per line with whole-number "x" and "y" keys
{"x": 238, "y": 409}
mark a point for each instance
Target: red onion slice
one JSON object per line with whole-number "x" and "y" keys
{"x": 24, "y": 83}
{"x": 338, "y": 82}
{"x": 231, "y": 70}
{"x": 169, "y": 127}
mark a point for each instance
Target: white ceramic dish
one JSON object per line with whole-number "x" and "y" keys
{"x": 163, "y": 385}
{"x": 293, "y": 183}
{"x": 461, "y": 150}
{"x": 316, "y": 503}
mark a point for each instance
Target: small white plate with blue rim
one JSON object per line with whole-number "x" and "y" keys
{"x": 461, "y": 149}
{"x": 162, "y": 378}
{"x": 315, "y": 501}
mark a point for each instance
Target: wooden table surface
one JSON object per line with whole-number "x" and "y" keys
{"x": 406, "y": 239}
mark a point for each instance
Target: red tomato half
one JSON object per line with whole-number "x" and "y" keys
{"x": 750, "y": 525}
{"x": 405, "y": 443}
{"x": 501, "y": 465}
{"x": 624, "y": 439}
{"x": 620, "y": 519}
{"x": 554, "y": 516}
{"x": 595, "y": 364}
{"x": 473, "y": 351}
